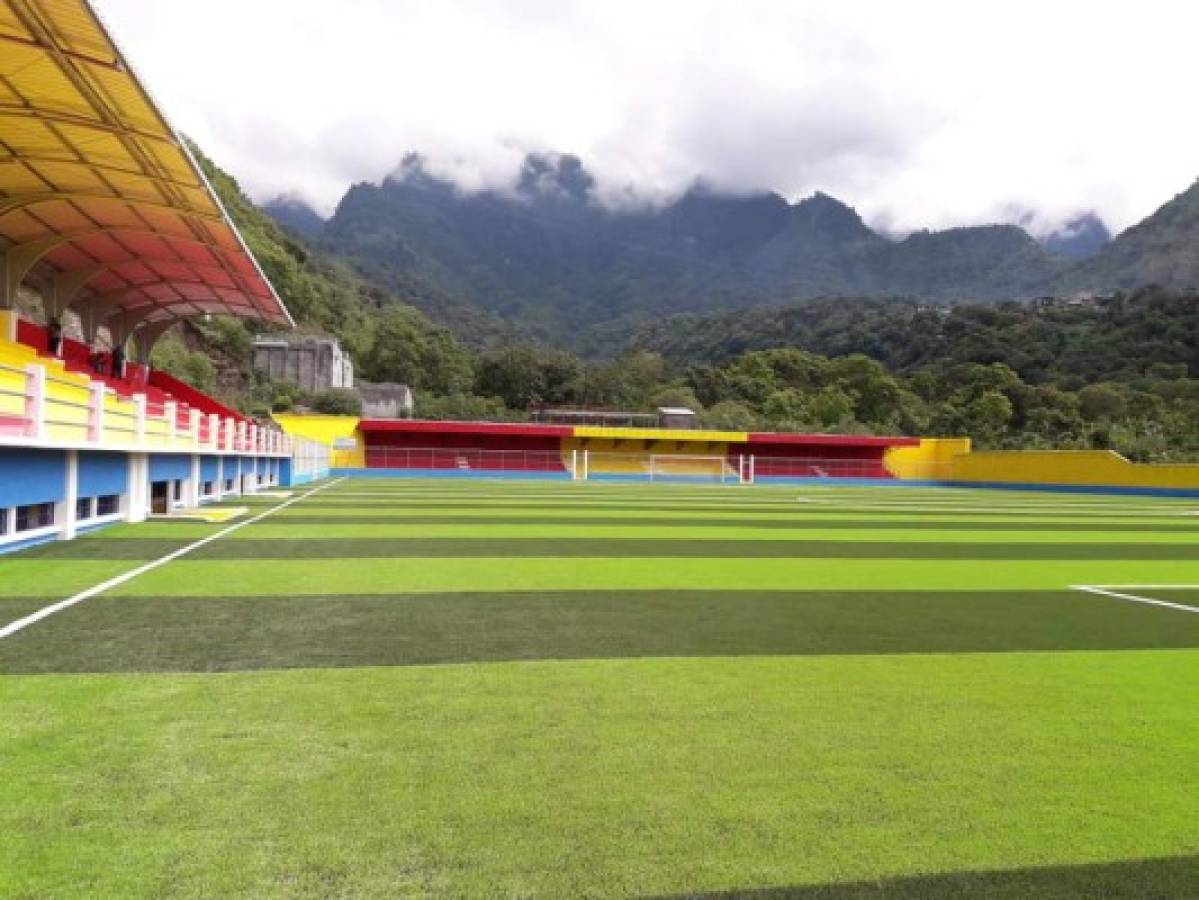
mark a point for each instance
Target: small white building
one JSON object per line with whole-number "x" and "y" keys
{"x": 676, "y": 417}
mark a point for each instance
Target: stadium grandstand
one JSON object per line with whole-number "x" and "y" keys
{"x": 599, "y": 452}
{"x": 604, "y": 453}
{"x": 109, "y": 232}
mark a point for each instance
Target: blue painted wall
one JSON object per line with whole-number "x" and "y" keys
{"x": 208, "y": 467}
{"x": 102, "y": 473}
{"x": 32, "y": 476}
{"x": 482, "y": 474}
{"x": 169, "y": 466}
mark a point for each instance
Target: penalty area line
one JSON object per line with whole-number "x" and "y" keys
{"x": 46, "y": 611}
{"x": 1105, "y": 590}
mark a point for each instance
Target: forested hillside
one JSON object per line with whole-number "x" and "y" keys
{"x": 547, "y": 260}
{"x": 1149, "y": 412}
{"x": 1163, "y": 249}
{"x": 1121, "y": 371}
{"x": 389, "y": 340}
{"x": 1114, "y": 338}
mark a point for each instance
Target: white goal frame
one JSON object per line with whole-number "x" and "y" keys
{"x": 727, "y": 470}
{"x": 723, "y": 468}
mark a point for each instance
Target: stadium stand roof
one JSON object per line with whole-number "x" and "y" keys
{"x": 102, "y": 207}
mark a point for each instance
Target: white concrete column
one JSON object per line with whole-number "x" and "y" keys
{"x": 214, "y": 427}
{"x": 137, "y": 492}
{"x": 193, "y": 423}
{"x": 35, "y": 400}
{"x": 139, "y": 400}
{"x": 66, "y": 513}
{"x": 191, "y": 487}
{"x": 220, "y": 478}
{"x": 95, "y": 417}
{"x": 170, "y": 409}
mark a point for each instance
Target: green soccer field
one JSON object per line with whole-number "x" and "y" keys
{"x": 469, "y": 688}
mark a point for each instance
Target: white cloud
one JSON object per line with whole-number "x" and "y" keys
{"x": 919, "y": 114}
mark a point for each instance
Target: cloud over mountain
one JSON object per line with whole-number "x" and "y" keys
{"x": 933, "y": 114}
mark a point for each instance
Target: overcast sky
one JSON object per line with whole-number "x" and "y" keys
{"x": 919, "y": 114}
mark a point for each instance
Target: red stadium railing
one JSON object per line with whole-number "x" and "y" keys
{"x": 799, "y": 467}
{"x": 633, "y": 465}
{"x": 463, "y": 460}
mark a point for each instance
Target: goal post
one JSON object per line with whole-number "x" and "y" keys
{"x": 684, "y": 467}
{"x": 745, "y": 469}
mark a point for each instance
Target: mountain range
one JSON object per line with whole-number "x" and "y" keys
{"x": 545, "y": 260}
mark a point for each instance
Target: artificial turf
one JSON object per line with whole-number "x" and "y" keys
{"x": 506, "y": 689}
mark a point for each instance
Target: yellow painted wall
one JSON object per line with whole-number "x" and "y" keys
{"x": 660, "y": 434}
{"x": 8, "y": 324}
{"x": 1095, "y": 468}
{"x": 631, "y": 455}
{"x": 326, "y": 430}
{"x": 932, "y": 460}
{"x": 120, "y": 420}
{"x": 12, "y": 390}
{"x": 66, "y": 405}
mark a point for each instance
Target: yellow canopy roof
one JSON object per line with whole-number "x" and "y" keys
{"x": 101, "y": 204}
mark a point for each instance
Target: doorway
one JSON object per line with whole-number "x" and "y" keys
{"x": 160, "y": 497}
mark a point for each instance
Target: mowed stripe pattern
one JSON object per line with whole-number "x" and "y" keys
{"x": 474, "y": 689}
{"x": 411, "y": 572}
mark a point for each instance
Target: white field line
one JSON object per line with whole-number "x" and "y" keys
{"x": 1105, "y": 591}
{"x": 1131, "y": 512}
{"x": 903, "y": 498}
{"x": 914, "y": 504}
{"x": 46, "y": 611}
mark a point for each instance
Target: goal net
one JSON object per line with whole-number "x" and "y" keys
{"x": 677, "y": 467}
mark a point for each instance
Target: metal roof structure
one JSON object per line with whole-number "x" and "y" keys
{"x": 103, "y": 209}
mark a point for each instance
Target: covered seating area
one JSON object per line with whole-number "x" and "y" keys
{"x": 110, "y": 235}
{"x": 106, "y": 221}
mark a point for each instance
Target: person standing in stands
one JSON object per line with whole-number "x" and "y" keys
{"x": 118, "y": 361}
{"x": 97, "y": 361}
{"x": 54, "y": 337}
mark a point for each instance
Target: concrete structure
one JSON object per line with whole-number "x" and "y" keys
{"x": 314, "y": 364}
{"x": 676, "y": 417}
{"x": 109, "y": 227}
{"x": 385, "y": 400}
{"x": 80, "y": 450}
{"x": 580, "y": 451}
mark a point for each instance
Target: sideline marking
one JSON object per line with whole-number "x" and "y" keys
{"x": 1013, "y": 509}
{"x": 1103, "y": 590}
{"x": 46, "y": 611}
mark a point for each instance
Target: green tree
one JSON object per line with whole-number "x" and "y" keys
{"x": 337, "y": 402}
{"x": 514, "y": 374}
{"x": 406, "y": 350}
{"x": 729, "y": 415}
{"x": 1101, "y": 401}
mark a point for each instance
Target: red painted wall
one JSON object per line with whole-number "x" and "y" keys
{"x": 458, "y": 445}
{"x": 187, "y": 394}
